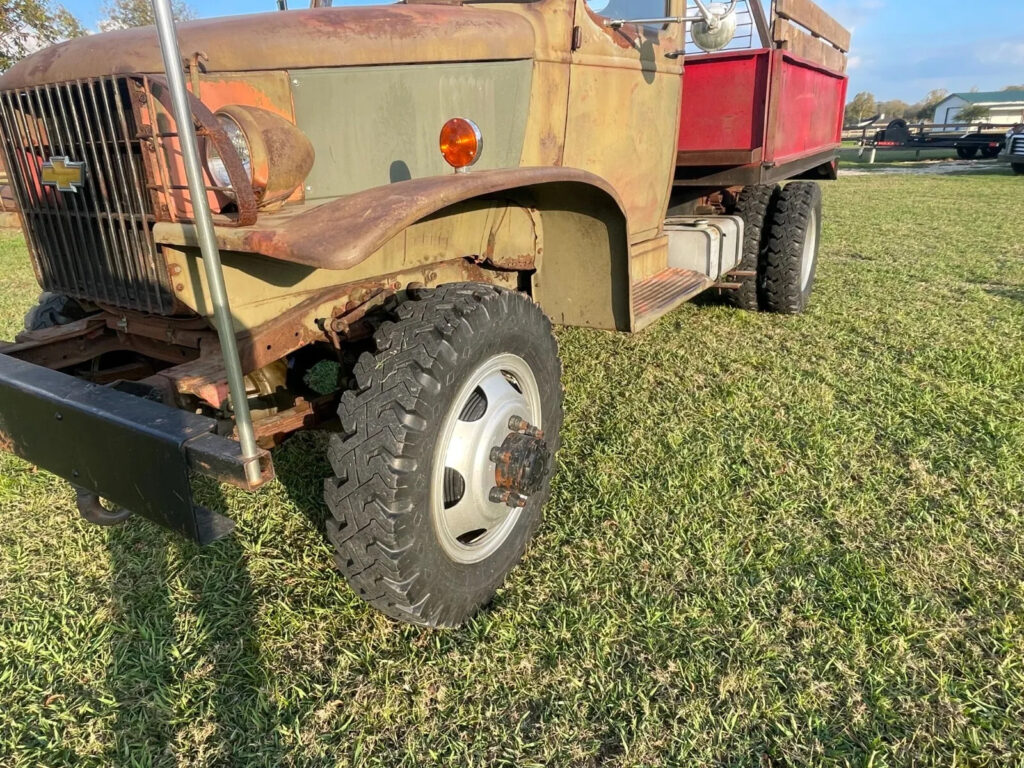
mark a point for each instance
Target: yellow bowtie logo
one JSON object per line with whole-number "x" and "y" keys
{"x": 63, "y": 173}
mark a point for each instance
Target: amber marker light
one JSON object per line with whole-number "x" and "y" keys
{"x": 461, "y": 143}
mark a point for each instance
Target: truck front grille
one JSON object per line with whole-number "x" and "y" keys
{"x": 1017, "y": 145}
{"x": 94, "y": 242}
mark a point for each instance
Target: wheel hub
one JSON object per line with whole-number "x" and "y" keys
{"x": 490, "y": 457}
{"x": 521, "y": 463}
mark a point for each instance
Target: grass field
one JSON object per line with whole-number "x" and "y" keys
{"x": 772, "y": 541}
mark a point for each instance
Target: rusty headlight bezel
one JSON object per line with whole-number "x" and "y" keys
{"x": 215, "y": 164}
{"x": 276, "y": 155}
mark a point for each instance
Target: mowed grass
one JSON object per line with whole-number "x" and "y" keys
{"x": 772, "y": 541}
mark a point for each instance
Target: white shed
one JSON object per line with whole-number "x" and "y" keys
{"x": 1004, "y": 107}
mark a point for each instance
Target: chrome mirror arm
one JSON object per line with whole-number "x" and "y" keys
{"x": 617, "y": 23}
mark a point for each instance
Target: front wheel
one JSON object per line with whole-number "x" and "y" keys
{"x": 791, "y": 255}
{"x": 446, "y": 453}
{"x": 1018, "y": 168}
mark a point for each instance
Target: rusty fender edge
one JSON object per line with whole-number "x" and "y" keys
{"x": 135, "y": 453}
{"x": 341, "y": 233}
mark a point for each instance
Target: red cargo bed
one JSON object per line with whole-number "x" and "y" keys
{"x": 761, "y": 115}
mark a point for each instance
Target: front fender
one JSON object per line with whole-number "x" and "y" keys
{"x": 341, "y": 233}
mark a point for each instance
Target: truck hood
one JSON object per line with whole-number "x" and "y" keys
{"x": 300, "y": 39}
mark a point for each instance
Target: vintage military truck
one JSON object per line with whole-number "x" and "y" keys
{"x": 406, "y": 198}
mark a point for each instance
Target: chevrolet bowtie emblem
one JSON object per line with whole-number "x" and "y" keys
{"x": 63, "y": 173}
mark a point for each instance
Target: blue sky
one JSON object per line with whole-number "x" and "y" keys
{"x": 901, "y": 48}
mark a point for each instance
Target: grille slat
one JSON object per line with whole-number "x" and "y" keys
{"x": 56, "y": 234}
{"x": 95, "y": 243}
{"x": 15, "y": 166}
{"x": 62, "y": 130}
{"x": 103, "y": 226}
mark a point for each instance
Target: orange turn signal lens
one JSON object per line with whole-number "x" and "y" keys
{"x": 461, "y": 142}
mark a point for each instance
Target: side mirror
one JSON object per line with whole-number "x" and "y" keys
{"x": 711, "y": 31}
{"x": 716, "y": 28}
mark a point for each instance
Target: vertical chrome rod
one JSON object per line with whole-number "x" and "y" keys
{"x": 207, "y": 240}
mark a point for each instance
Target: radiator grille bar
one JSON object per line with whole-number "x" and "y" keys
{"x": 96, "y": 242}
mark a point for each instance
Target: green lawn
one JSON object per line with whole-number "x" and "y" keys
{"x": 772, "y": 541}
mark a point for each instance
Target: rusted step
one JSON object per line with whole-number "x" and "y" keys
{"x": 663, "y": 292}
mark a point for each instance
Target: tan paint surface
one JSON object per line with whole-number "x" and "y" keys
{"x": 624, "y": 101}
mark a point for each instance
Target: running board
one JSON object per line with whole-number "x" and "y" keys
{"x": 663, "y": 292}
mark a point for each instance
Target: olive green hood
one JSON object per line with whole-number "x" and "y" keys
{"x": 301, "y": 39}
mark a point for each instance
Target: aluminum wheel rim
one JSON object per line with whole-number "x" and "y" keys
{"x": 473, "y": 527}
{"x": 810, "y": 247}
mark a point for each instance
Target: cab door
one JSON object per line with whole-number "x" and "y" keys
{"x": 625, "y": 88}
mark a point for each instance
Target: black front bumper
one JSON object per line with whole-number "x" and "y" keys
{"x": 135, "y": 453}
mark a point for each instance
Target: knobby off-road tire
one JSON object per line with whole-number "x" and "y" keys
{"x": 753, "y": 205}
{"x": 791, "y": 255}
{"x": 389, "y": 501}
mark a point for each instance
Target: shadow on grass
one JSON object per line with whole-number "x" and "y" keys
{"x": 182, "y": 615}
{"x": 1012, "y": 292}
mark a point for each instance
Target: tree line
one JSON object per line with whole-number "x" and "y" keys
{"x": 28, "y": 25}
{"x": 864, "y": 106}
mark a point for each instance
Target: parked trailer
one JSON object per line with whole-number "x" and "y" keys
{"x": 413, "y": 193}
{"x": 969, "y": 141}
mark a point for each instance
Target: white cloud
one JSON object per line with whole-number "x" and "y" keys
{"x": 1002, "y": 53}
{"x": 853, "y": 62}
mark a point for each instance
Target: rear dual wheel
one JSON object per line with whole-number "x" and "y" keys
{"x": 790, "y": 256}
{"x": 445, "y": 457}
{"x": 781, "y": 232}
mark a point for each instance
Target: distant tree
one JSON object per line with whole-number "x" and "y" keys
{"x": 862, "y": 107}
{"x": 925, "y": 110}
{"x": 123, "y": 14}
{"x": 972, "y": 113}
{"x": 1014, "y": 88}
{"x": 28, "y": 25}
{"x": 894, "y": 108}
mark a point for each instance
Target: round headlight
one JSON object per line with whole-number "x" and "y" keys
{"x": 215, "y": 163}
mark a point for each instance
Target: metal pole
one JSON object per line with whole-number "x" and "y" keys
{"x": 207, "y": 239}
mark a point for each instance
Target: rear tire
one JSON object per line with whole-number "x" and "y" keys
{"x": 791, "y": 255}
{"x": 966, "y": 153}
{"x": 753, "y": 205}
{"x": 397, "y": 502}
{"x": 990, "y": 152}
{"x": 1018, "y": 168}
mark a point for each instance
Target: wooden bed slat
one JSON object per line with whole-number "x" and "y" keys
{"x": 799, "y": 43}
{"x": 807, "y": 14}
